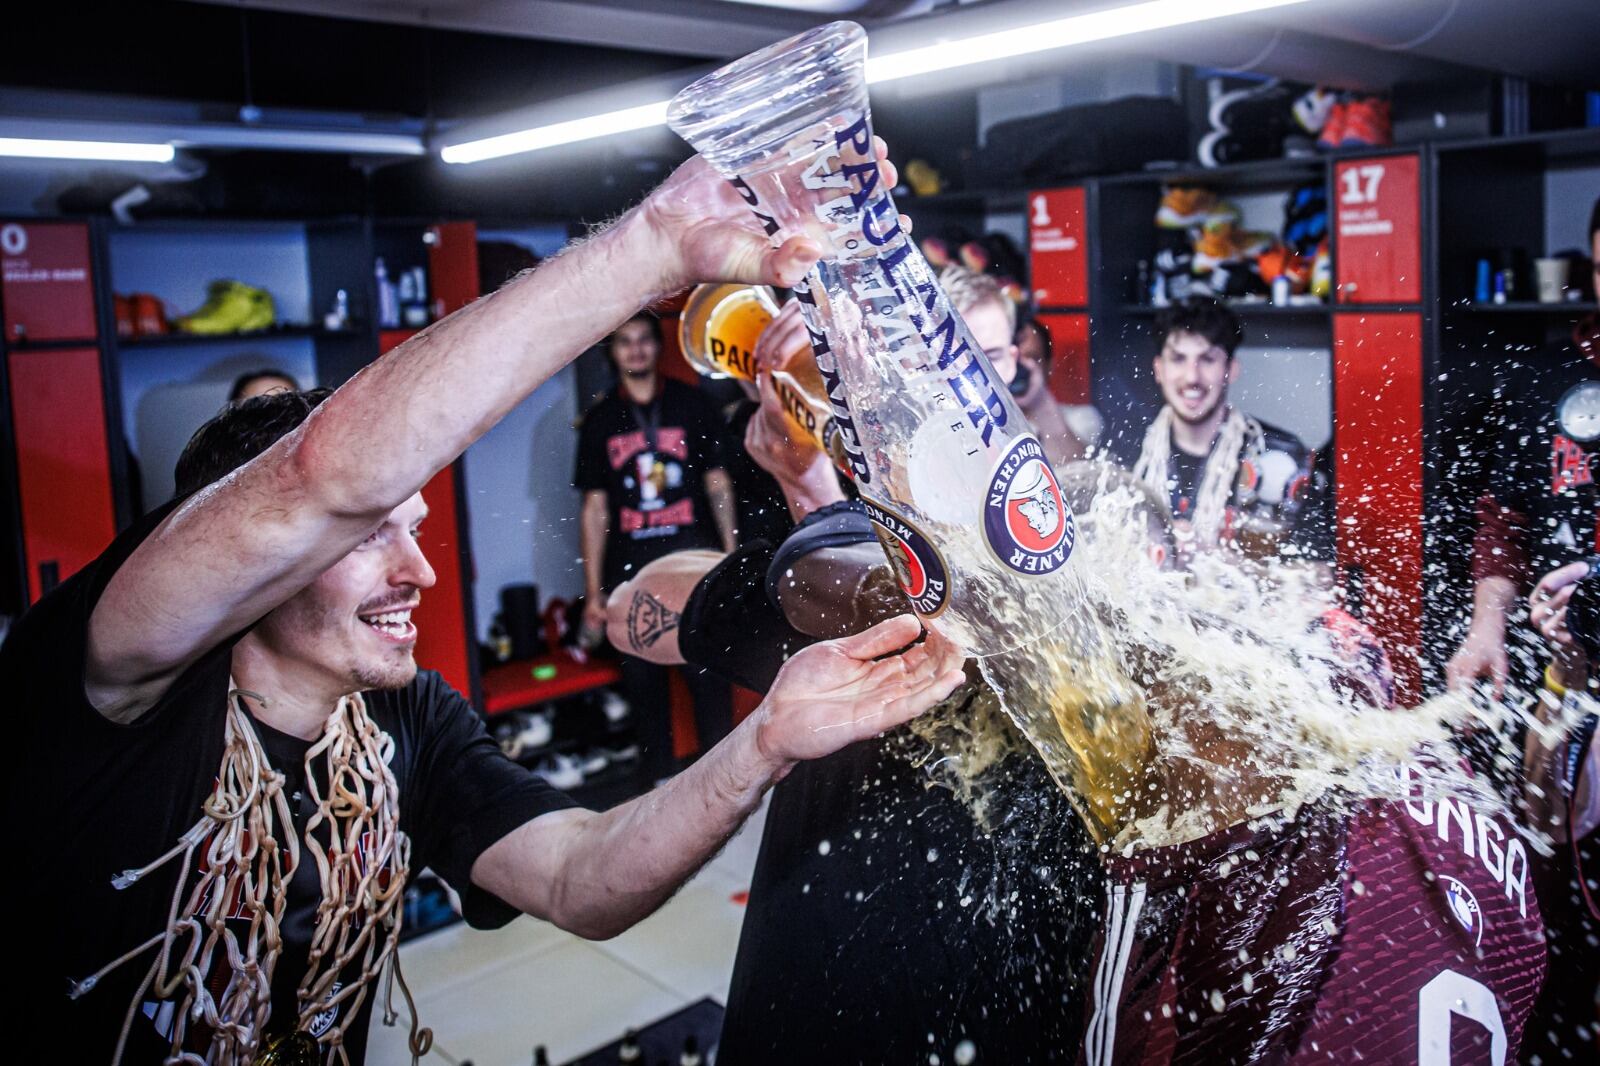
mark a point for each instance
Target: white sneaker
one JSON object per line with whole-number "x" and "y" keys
{"x": 615, "y": 707}
{"x": 560, "y": 771}
{"x": 533, "y": 731}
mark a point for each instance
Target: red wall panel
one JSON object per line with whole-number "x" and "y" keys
{"x": 1378, "y": 241}
{"x": 63, "y": 459}
{"x": 48, "y": 281}
{"x": 1058, "y": 247}
{"x": 444, "y": 639}
{"x": 1070, "y": 379}
{"x": 1377, "y": 381}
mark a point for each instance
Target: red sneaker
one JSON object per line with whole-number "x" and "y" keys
{"x": 1366, "y": 124}
{"x": 122, "y": 306}
{"x": 149, "y": 317}
{"x": 1332, "y": 135}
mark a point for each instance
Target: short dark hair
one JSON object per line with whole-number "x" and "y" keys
{"x": 1204, "y": 317}
{"x": 242, "y": 380}
{"x": 239, "y": 433}
{"x": 1594, "y": 219}
{"x": 648, "y": 318}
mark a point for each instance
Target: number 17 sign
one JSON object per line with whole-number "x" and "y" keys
{"x": 1378, "y": 232}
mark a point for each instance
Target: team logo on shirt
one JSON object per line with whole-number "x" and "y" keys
{"x": 917, "y": 564}
{"x": 325, "y": 1018}
{"x": 1025, "y": 522}
{"x": 1579, "y": 412}
{"x": 1464, "y": 907}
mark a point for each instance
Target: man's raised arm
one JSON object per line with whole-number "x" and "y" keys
{"x": 237, "y": 549}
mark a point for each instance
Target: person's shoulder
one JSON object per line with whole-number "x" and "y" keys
{"x": 1277, "y": 439}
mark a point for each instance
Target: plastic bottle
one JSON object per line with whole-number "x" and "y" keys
{"x": 388, "y": 298}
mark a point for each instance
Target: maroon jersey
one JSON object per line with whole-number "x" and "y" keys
{"x": 1385, "y": 933}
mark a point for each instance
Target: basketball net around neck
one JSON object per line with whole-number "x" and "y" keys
{"x": 222, "y": 940}
{"x": 1217, "y": 478}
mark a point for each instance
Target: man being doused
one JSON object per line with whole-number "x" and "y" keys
{"x": 1284, "y": 906}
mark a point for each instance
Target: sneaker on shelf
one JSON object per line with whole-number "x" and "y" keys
{"x": 1367, "y": 124}
{"x": 1312, "y": 108}
{"x": 1259, "y": 112}
{"x": 616, "y": 709}
{"x": 1322, "y": 272}
{"x": 1183, "y": 206}
{"x": 630, "y": 753}
{"x": 230, "y": 307}
{"x": 149, "y": 316}
{"x": 560, "y": 771}
{"x": 524, "y": 731}
{"x": 1332, "y": 135}
{"x": 1221, "y": 148}
{"x": 592, "y": 761}
{"x": 122, "y": 308}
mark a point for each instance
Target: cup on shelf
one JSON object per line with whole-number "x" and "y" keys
{"x": 1551, "y": 275}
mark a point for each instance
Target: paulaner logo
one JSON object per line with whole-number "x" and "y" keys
{"x": 917, "y": 564}
{"x": 843, "y": 419}
{"x": 1025, "y": 522}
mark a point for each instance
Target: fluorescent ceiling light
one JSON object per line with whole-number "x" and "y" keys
{"x": 578, "y": 129}
{"x": 1058, "y": 33}
{"x": 946, "y": 55}
{"x": 114, "y": 151}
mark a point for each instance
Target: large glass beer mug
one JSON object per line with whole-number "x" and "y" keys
{"x": 958, "y": 486}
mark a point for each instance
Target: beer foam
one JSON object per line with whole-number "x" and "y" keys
{"x": 1251, "y": 706}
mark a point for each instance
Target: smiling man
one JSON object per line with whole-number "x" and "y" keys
{"x": 1218, "y": 467}
{"x": 228, "y": 762}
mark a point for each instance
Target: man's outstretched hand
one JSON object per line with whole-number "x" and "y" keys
{"x": 840, "y": 691}
{"x": 702, "y": 230}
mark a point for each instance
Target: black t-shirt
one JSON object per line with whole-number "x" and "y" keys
{"x": 1541, "y": 469}
{"x": 763, "y": 512}
{"x": 884, "y": 925}
{"x": 651, "y": 460}
{"x": 90, "y": 798}
{"x": 1278, "y": 479}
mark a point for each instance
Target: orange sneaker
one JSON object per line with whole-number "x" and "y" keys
{"x": 1332, "y": 135}
{"x": 122, "y": 307}
{"x": 1367, "y": 124}
{"x": 1183, "y": 206}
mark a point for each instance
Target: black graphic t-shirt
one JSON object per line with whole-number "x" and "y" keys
{"x": 651, "y": 460}
{"x": 1278, "y": 479}
{"x": 1543, "y": 472}
{"x": 884, "y": 924}
{"x": 90, "y": 799}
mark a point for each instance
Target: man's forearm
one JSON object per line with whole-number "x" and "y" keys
{"x": 622, "y": 864}
{"x": 391, "y": 427}
{"x": 592, "y": 530}
{"x": 1492, "y": 598}
{"x": 724, "y": 511}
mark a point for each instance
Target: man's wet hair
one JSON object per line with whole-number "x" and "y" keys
{"x": 1204, "y": 317}
{"x": 243, "y": 381}
{"x": 239, "y": 433}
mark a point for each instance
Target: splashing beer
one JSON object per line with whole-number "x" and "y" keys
{"x": 952, "y": 475}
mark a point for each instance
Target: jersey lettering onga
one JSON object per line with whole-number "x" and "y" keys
{"x": 1396, "y": 932}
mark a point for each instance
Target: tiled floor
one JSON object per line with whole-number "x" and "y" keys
{"x": 492, "y": 996}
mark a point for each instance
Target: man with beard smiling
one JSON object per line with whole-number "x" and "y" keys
{"x": 1218, "y": 466}
{"x": 230, "y": 762}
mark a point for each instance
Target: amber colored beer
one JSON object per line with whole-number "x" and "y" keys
{"x": 718, "y": 331}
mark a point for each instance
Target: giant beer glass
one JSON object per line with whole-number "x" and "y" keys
{"x": 958, "y": 487}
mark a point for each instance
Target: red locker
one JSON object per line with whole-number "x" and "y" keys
{"x": 444, "y": 621}
{"x": 63, "y": 465}
{"x": 1378, "y": 236}
{"x": 1377, "y": 380}
{"x": 48, "y": 281}
{"x": 1058, "y": 247}
{"x": 1070, "y": 377}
